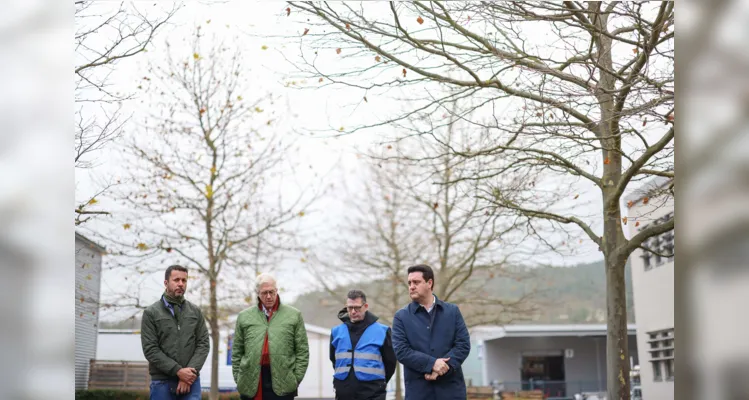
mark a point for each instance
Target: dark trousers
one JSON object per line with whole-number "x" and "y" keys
{"x": 268, "y": 393}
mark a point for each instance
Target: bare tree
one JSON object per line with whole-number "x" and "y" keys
{"x": 105, "y": 36}
{"x": 380, "y": 240}
{"x": 203, "y": 174}
{"x": 580, "y": 92}
{"x": 413, "y": 209}
{"x": 473, "y": 245}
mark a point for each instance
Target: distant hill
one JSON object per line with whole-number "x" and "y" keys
{"x": 570, "y": 295}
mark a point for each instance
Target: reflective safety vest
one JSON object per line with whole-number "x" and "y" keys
{"x": 366, "y": 358}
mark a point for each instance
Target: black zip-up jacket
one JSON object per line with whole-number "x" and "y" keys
{"x": 351, "y": 388}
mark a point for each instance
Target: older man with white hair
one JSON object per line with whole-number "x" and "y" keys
{"x": 270, "y": 353}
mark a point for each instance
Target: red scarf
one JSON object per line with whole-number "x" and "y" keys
{"x": 265, "y": 357}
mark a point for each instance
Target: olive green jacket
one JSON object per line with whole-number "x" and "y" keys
{"x": 287, "y": 346}
{"x": 170, "y": 344}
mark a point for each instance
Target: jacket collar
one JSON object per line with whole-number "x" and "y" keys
{"x": 276, "y": 306}
{"x": 414, "y": 306}
{"x": 369, "y": 318}
{"x": 169, "y": 305}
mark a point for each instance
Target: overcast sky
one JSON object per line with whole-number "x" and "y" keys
{"x": 260, "y": 28}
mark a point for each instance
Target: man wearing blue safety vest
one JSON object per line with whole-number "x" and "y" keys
{"x": 361, "y": 352}
{"x": 431, "y": 340}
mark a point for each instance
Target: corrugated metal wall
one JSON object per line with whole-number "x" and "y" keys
{"x": 87, "y": 288}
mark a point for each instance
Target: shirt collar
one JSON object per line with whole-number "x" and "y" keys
{"x": 414, "y": 306}
{"x": 261, "y": 306}
{"x": 168, "y": 304}
{"x": 434, "y": 303}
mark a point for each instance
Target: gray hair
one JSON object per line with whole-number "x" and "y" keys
{"x": 263, "y": 279}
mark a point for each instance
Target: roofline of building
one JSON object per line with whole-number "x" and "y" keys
{"x": 317, "y": 329}
{"x": 96, "y": 246}
{"x": 579, "y": 330}
{"x": 644, "y": 190}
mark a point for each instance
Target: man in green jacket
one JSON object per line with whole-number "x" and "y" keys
{"x": 270, "y": 353}
{"x": 175, "y": 341}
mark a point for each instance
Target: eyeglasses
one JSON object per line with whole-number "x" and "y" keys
{"x": 354, "y": 308}
{"x": 268, "y": 293}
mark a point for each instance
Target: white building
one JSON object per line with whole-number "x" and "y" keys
{"x": 125, "y": 345}
{"x": 653, "y": 289}
{"x": 88, "y": 256}
{"x": 561, "y": 360}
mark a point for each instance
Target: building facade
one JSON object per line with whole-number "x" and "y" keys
{"x": 88, "y": 257}
{"x": 561, "y": 360}
{"x": 653, "y": 289}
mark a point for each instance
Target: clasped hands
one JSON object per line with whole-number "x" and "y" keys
{"x": 187, "y": 377}
{"x": 440, "y": 368}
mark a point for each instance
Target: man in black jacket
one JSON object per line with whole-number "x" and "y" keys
{"x": 361, "y": 352}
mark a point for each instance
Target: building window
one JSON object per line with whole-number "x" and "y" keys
{"x": 667, "y": 248}
{"x": 662, "y": 246}
{"x": 669, "y": 364}
{"x": 661, "y": 351}
{"x": 657, "y": 371}
{"x": 646, "y": 256}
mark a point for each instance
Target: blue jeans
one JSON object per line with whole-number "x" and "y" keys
{"x": 167, "y": 390}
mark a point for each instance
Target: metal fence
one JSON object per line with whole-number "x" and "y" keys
{"x": 551, "y": 389}
{"x": 125, "y": 375}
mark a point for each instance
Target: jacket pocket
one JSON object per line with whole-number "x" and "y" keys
{"x": 189, "y": 323}
{"x": 244, "y": 362}
{"x": 240, "y": 376}
{"x": 165, "y": 324}
{"x": 167, "y": 334}
{"x": 288, "y": 377}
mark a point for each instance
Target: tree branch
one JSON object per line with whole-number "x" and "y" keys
{"x": 653, "y": 230}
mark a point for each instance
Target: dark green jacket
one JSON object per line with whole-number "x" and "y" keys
{"x": 170, "y": 345}
{"x": 287, "y": 345}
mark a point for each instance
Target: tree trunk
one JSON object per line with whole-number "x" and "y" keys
{"x": 613, "y": 240}
{"x": 617, "y": 339}
{"x": 215, "y": 336}
{"x": 612, "y": 243}
{"x": 617, "y": 351}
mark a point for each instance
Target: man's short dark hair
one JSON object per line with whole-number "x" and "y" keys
{"x": 171, "y": 268}
{"x": 357, "y": 294}
{"x": 426, "y": 272}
